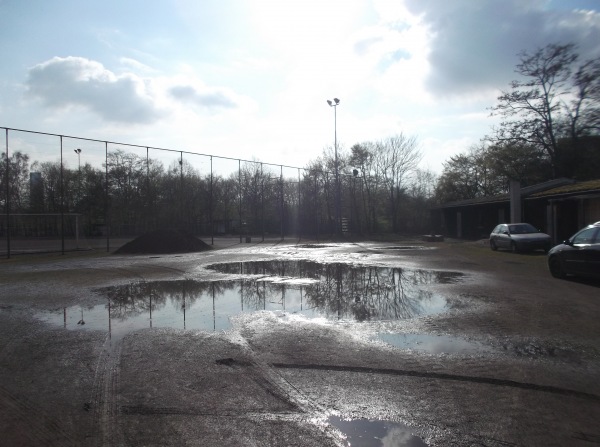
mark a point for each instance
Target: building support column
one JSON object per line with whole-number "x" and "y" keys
{"x": 515, "y": 201}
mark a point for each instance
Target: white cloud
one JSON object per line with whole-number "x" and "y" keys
{"x": 77, "y": 82}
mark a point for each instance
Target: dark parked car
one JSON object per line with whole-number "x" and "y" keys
{"x": 578, "y": 255}
{"x": 519, "y": 237}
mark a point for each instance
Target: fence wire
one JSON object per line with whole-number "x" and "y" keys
{"x": 63, "y": 193}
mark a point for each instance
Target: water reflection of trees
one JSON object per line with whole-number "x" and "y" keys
{"x": 370, "y": 293}
{"x": 141, "y": 297}
{"x": 339, "y": 290}
{"x": 343, "y": 290}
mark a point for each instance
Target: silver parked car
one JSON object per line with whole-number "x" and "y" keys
{"x": 579, "y": 255}
{"x": 519, "y": 237}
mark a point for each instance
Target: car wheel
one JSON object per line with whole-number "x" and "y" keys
{"x": 556, "y": 269}
{"x": 514, "y": 248}
{"x": 493, "y": 245}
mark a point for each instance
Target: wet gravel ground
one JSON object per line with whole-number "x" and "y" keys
{"x": 276, "y": 378}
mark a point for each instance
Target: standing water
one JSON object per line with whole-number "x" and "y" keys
{"x": 338, "y": 292}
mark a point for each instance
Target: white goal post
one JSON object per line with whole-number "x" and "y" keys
{"x": 42, "y": 232}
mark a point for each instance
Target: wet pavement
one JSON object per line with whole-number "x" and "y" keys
{"x": 397, "y": 344}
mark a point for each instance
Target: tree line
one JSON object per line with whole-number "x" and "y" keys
{"x": 549, "y": 127}
{"x": 381, "y": 190}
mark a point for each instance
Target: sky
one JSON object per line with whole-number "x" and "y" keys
{"x": 250, "y": 79}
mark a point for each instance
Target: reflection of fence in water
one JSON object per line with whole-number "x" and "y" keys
{"x": 141, "y": 297}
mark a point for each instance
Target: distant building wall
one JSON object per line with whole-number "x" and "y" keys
{"x": 591, "y": 210}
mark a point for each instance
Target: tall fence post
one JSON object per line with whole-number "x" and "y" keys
{"x": 7, "y": 175}
{"x": 62, "y": 200}
{"x": 182, "y": 225}
{"x": 298, "y": 225}
{"x": 317, "y": 206}
{"x": 262, "y": 201}
{"x": 281, "y": 199}
{"x": 106, "y": 210}
{"x": 210, "y": 204}
{"x": 240, "y": 195}
{"x": 148, "y": 200}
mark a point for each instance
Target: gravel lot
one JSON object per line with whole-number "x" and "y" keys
{"x": 275, "y": 379}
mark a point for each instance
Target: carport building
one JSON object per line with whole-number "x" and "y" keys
{"x": 558, "y": 207}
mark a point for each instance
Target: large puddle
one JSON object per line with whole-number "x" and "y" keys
{"x": 367, "y": 433}
{"x": 434, "y": 344}
{"x": 333, "y": 291}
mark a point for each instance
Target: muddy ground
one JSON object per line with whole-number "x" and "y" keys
{"x": 274, "y": 379}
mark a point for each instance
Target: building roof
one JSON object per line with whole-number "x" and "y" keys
{"x": 589, "y": 187}
{"x": 526, "y": 191}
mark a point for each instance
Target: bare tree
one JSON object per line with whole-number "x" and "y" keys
{"x": 550, "y": 101}
{"x": 363, "y": 157}
{"x": 584, "y": 109}
{"x": 397, "y": 157}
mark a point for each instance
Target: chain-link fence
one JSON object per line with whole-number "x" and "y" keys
{"x": 63, "y": 193}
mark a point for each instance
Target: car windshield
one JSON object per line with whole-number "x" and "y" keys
{"x": 584, "y": 237}
{"x": 521, "y": 229}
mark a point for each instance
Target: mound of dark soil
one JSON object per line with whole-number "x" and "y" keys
{"x": 163, "y": 242}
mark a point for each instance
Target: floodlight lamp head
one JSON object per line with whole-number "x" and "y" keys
{"x": 337, "y": 101}
{"x": 329, "y": 102}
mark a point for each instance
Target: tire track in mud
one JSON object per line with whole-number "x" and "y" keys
{"x": 298, "y": 408}
{"x": 104, "y": 400}
{"x": 443, "y": 376}
{"x": 267, "y": 377}
{"x": 588, "y": 437}
{"x": 29, "y": 425}
{"x": 273, "y": 384}
{"x": 145, "y": 410}
{"x": 105, "y": 392}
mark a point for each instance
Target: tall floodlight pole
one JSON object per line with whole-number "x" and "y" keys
{"x": 334, "y": 104}
{"x": 78, "y": 152}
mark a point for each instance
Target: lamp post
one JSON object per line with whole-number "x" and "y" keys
{"x": 334, "y": 104}
{"x": 78, "y": 152}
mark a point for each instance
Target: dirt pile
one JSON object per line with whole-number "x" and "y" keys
{"x": 163, "y": 242}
